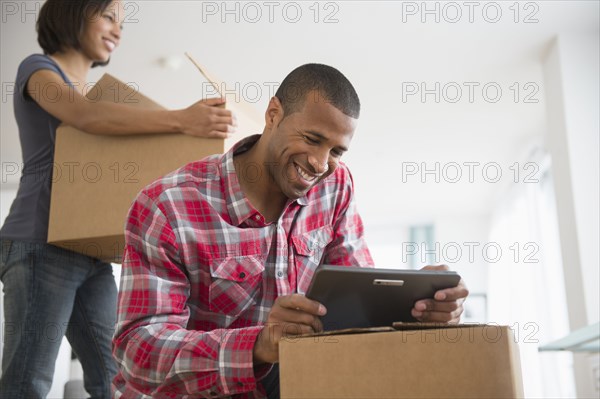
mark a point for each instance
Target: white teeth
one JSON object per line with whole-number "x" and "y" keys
{"x": 304, "y": 175}
{"x": 110, "y": 44}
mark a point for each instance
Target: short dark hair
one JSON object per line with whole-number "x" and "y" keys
{"x": 330, "y": 83}
{"x": 61, "y": 23}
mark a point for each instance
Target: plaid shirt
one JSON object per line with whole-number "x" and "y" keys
{"x": 202, "y": 269}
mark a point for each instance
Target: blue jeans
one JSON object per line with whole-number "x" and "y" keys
{"x": 50, "y": 292}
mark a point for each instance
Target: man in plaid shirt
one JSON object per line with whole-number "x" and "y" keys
{"x": 219, "y": 252}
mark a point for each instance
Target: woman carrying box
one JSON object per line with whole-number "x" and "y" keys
{"x": 50, "y": 292}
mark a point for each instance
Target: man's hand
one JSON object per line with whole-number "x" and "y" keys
{"x": 206, "y": 119}
{"x": 446, "y": 305}
{"x": 290, "y": 315}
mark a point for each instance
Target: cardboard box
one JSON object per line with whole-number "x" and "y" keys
{"x": 421, "y": 361}
{"x": 96, "y": 177}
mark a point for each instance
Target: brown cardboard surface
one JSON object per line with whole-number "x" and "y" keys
{"x": 96, "y": 177}
{"x": 455, "y": 362}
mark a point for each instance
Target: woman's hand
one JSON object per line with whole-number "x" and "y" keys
{"x": 207, "y": 118}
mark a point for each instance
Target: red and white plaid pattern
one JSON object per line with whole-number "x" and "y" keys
{"x": 202, "y": 269}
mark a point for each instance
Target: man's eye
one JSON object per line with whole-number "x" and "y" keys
{"x": 109, "y": 17}
{"x": 311, "y": 140}
{"x": 337, "y": 153}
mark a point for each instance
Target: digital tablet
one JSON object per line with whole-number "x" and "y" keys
{"x": 357, "y": 297}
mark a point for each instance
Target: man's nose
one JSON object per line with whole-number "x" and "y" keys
{"x": 319, "y": 164}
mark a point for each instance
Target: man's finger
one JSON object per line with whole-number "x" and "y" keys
{"x": 288, "y": 315}
{"x": 437, "y": 317}
{"x": 300, "y": 302}
{"x": 439, "y": 306}
{"x": 451, "y": 294}
{"x": 436, "y": 267}
{"x": 292, "y": 329}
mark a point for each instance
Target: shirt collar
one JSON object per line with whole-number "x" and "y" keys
{"x": 239, "y": 207}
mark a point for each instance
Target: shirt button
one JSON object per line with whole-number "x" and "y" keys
{"x": 280, "y": 274}
{"x": 256, "y": 217}
{"x": 242, "y": 275}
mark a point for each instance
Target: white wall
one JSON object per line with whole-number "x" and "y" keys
{"x": 462, "y": 240}
{"x": 579, "y": 66}
{"x": 571, "y": 79}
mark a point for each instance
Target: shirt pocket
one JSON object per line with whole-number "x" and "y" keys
{"x": 236, "y": 282}
{"x": 310, "y": 247}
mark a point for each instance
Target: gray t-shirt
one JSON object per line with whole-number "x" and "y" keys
{"x": 28, "y": 216}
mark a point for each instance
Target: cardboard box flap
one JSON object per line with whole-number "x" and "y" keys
{"x": 397, "y": 326}
{"x": 350, "y": 331}
{"x": 250, "y": 121}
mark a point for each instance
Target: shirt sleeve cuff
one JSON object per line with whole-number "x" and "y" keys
{"x": 236, "y": 365}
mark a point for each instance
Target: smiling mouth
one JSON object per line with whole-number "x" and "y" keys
{"x": 308, "y": 177}
{"x": 109, "y": 44}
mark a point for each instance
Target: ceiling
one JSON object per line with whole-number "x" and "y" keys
{"x": 386, "y": 50}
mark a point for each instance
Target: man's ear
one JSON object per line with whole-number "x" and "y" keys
{"x": 274, "y": 113}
